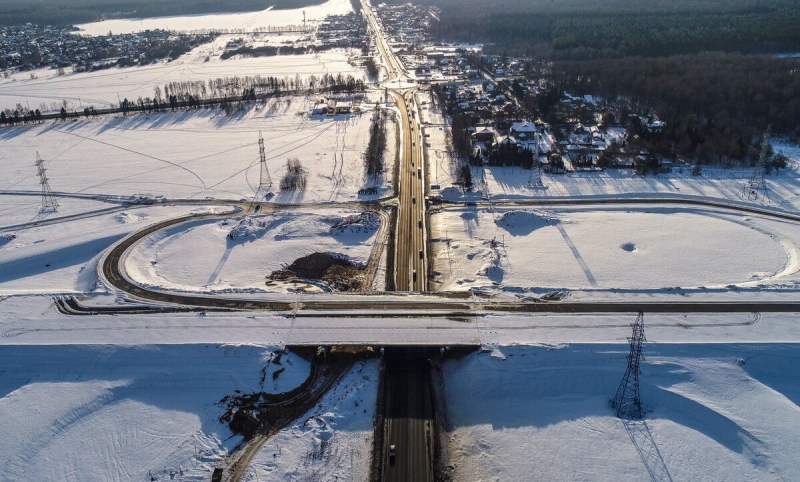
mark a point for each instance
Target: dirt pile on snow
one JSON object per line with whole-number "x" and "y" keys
{"x": 335, "y": 270}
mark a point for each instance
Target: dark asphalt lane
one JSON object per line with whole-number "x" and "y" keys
{"x": 409, "y": 415}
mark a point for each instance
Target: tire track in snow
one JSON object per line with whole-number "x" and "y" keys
{"x": 173, "y": 164}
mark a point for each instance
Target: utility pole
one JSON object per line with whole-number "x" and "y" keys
{"x": 49, "y": 203}
{"x": 626, "y": 402}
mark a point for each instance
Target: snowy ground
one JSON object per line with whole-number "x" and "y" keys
{"x": 63, "y": 257}
{"x": 106, "y": 88}
{"x": 16, "y": 210}
{"x": 234, "y": 21}
{"x": 122, "y": 413}
{"x": 509, "y": 184}
{"x": 513, "y": 183}
{"x": 197, "y": 154}
{"x": 543, "y": 414}
{"x": 598, "y": 248}
{"x": 332, "y": 441}
{"x": 169, "y": 259}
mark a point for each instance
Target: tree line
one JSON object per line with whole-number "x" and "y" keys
{"x": 224, "y": 87}
{"x": 376, "y": 148}
{"x": 228, "y": 93}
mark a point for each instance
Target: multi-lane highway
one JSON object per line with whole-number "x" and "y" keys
{"x": 410, "y": 250}
{"x": 410, "y": 244}
{"x": 408, "y": 408}
{"x": 408, "y": 415}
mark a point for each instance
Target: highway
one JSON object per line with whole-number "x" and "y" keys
{"x": 410, "y": 243}
{"x": 410, "y": 246}
{"x": 408, "y": 415}
{"x": 408, "y": 408}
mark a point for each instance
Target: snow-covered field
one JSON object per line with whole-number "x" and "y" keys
{"x": 543, "y": 414}
{"x": 63, "y": 257}
{"x": 106, "y": 88}
{"x": 103, "y": 413}
{"x": 331, "y": 442}
{"x": 512, "y": 183}
{"x": 221, "y": 21}
{"x": 16, "y": 210}
{"x": 197, "y": 154}
{"x": 170, "y": 258}
{"x": 599, "y": 248}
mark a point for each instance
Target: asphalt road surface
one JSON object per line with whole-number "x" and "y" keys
{"x": 410, "y": 247}
{"x": 408, "y": 415}
{"x": 410, "y": 250}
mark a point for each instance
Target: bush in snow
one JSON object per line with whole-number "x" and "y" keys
{"x": 295, "y": 177}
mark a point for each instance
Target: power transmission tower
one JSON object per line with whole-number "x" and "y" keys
{"x": 755, "y": 189}
{"x": 626, "y": 402}
{"x": 265, "y": 180}
{"x": 536, "y": 174}
{"x": 49, "y": 203}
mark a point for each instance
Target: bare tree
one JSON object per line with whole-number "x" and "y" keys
{"x": 295, "y": 177}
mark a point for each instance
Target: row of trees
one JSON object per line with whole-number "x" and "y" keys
{"x": 229, "y": 87}
{"x": 229, "y": 92}
{"x": 16, "y": 117}
{"x": 376, "y": 148}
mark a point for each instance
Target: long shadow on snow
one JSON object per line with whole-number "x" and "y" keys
{"x": 776, "y": 366}
{"x": 563, "y": 390}
{"x": 183, "y": 378}
{"x": 59, "y": 258}
{"x": 12, "y": 132}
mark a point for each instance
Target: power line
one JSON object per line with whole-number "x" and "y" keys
{"x": 626, "y": 402}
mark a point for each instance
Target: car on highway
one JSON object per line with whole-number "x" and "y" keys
{"x": 392, "y": 454}
{"x": 413, "y": 200}
{"x": 419, "y": 223}
{"x": 421, "y": 254}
